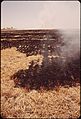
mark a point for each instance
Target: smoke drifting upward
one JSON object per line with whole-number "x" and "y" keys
{"x": 67, "y": 51}
{"x": 71, "y": 49}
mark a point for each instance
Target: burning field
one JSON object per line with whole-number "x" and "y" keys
{"x": 40, "y": 74}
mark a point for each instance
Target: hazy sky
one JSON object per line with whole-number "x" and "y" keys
{"x": 40, "y": 14}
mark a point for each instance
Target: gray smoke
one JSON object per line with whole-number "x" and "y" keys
{"x": 71, "y": 49}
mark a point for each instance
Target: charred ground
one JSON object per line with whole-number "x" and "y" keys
{"x": 58, "y": 71}
{"x": 37, "y": 64}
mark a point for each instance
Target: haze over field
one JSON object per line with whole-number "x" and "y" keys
{"x": 40, "y": 14}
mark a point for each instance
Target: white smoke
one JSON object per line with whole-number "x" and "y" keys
{"x": 71, "y": 49}
{"x": 64, "y": 15}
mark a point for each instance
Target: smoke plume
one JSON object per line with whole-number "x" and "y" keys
{"x": 71, "y": 49}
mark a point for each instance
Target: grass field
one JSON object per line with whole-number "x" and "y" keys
{"x": 18, "y": 102}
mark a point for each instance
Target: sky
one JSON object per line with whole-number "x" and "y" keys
{"x": 40, "y": 14}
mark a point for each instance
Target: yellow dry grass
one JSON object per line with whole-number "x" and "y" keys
{"x": 19, "y": 103}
